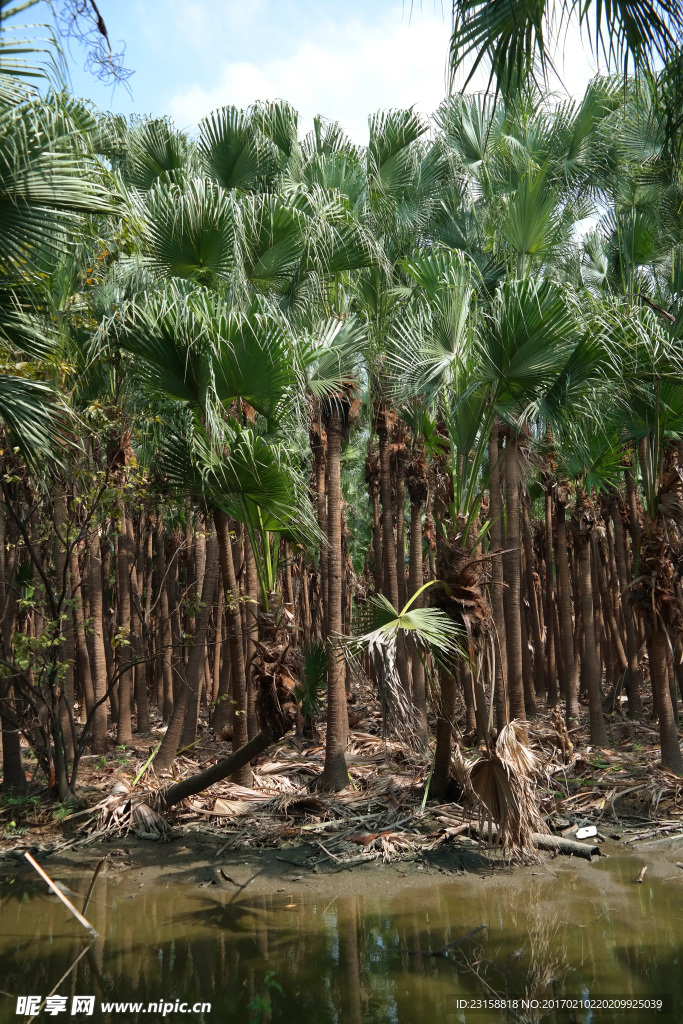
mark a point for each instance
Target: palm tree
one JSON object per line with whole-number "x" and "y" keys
{"x": 514, "y": 42}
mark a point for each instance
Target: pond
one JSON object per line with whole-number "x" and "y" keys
{"x": 554, "y": 937}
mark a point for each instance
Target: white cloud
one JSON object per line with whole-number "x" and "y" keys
{"x": 345, "y": 68}
{"x": 344, "y": 71}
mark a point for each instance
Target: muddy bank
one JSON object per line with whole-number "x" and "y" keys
{"x": 197, "y": 862}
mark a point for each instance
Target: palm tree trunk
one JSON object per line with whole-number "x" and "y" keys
{"x": 414, "y": 584}
{"x": 389, "y": 566}
{"x": 124, "y": 734}
{"x": 61, "y": 593}
{"x": 243, "y": 775}
{"x": 82, "y": 656}
{"x": 218, "y": 646}
{"x": 306, "y": 604}
{"x": 444, "y": 724}
{"x": 14, "y": 777}
{"x": 590, "y": 665}
{"x": 190, "y": 693}
{"x": 566, "y": 627}
{"x": 335, "y": 773}
{"x": 105, "y": 555}
{"x": 598, "y": 620}
{"x": 390, "y": 573}
{"x": 497, "y": 602}
{"x": 635, "y": 708}
{"x": 207, "y": 574}
{"x": 317, "y": 444}
{"x": 527, "y": 668}
{"x": 251, "y": 630}
{"x": 539, "y": 661}
{"x": 513, "y": 581}
{"x": 287, "y": 573}
{"x": 608, "y": 610}
{"x": 377, "y": 540}
{"x": 550, "y": 658}
{"x": 658, "y": 646}
{"x": 98, "y": 743}
{"x": 472, "y": 722}
{"x": 558, "y": 645}
{"x": 142, "y": 723}
{"x": 578, "y": 620}
{"x": 400, "y": 528}
{"x": 165, "y": 633}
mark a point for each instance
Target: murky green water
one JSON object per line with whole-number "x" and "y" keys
{"x": 561, "y": 934}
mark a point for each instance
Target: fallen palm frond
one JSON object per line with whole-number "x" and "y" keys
{"x": 502, "y": 803}
{"x": 123, "y": 809}
{"x": 500, "y": 785}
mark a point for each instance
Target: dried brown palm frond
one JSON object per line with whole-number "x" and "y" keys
{"x": 506, "y": 800}
{"x": 147, "y": 823}
{"x": 461, "y": 772}
{"x": 512, "y": 747}
{"x": 132, "y": 811}
{"x": 499, "y": 805}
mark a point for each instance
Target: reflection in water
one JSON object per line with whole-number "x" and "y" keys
{"x": 355, "y": 959}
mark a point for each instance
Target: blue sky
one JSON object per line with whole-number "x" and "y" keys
{"x": 340, "y": 58}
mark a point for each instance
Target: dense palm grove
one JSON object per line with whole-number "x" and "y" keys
{"x": 284, "y": 415}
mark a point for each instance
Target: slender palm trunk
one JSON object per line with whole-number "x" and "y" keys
{"x": 191, "y": 687}
{"x": 14, "y": 777}
{"x": 243, "y": 776}
{"x": 98, "y": 742}
{"x": 444, "y": 725}
{"x": 218, "y": 646}
{"x": 658, "y": 647}
{"x": 550, "y": 605}
{"x": 513, "y": 581}
{"x": 335, "y": 774}
{"x": 165, "y": 633}
{"x": 539, "y": 661}
{"x": 138, "y": 641}
{"x": 105, "y": 555}
{"x": 305, "y": 602}
{"x": 414, "y": 584}
{"x": 590, "y": 665}
{"x": 124, "y": 734}
{"x": 565, "y": 616}
{"x": 610, "y": 617}
{"x": 497, "y": 602}
{"x": 321, "y": 499}
{"x": 206, "y": 553}
{"x": 400, "y": 529}
{"x": 389, "y": 563}
{"x": 635, "y": 708}
{"x": 61, "y": 592}
{"x": 251, "y": 630}
{"x": 287, "y": 577}
{"x": 82, "y": 656}
{"x": 390, "y": 573}
{"x": 377, "y": 540}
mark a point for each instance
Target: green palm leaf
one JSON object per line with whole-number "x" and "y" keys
{"x": 189, "y": 229}
{"x": 526, "y": 341}
{"x": 236, "y": 153}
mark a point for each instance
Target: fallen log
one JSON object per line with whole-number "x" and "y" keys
{"x": 569, "y": 847}
{"x": 555, "y": 844}
{"x": 276, "y": 710}
{"x": 217, "y": 772}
